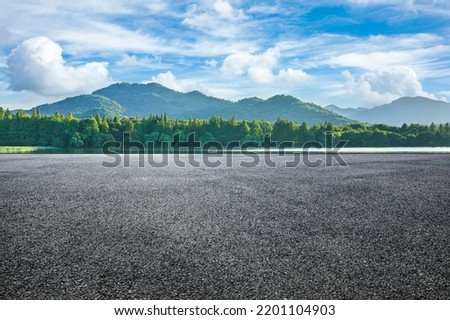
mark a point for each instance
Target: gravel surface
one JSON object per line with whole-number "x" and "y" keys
{"x": 377, "y": 229}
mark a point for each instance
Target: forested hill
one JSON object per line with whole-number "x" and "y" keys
{"x": 124, "y": 99}
{"x": 22, "y": 129}
{"x": 84, "y": 106}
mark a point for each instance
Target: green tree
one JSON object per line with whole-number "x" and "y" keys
{"x": 76, "y": 141}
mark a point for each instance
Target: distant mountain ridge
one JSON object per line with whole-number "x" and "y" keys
{"x": 403, "y": 110}
{"x": 124, "y": 99}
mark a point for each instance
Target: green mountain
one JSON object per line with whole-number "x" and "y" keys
{"x": 84, "y": 106}
{"x": 144, "y": 99}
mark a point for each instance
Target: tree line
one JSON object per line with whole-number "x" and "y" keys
{"x": 23, "y": 129}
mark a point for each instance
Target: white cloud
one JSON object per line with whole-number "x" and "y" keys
{"x": 226, "y": 10}
{"x": 169, "y": 80}
{"x": 100, "y": 37}
{"x": 259, "y": 68}
{"x": 423, "y": 52}
{"x": 156, "y": 6}
{"x": 444, "y": 93}
{"x": 264, "y": 9}
{"x": 292, "y": 75}
{"x": 372, "y": 60}
{"x": 132, "y": 61}
{"x": 37, "y": 65}
{"x": 99, "y": 28}
{"x": 4, "y": 35}
{"x": 222, "y": 20}
{"x": 376, "y": 2}
{"x": 211, "y": 63}
{"x": 3, "y": 62}
{"x": 384, "y": 85}
{"x": 199, "y": 37}
{"x": 213, "y": 88}
{"x": 419, "y": 59}
{"x": 435, "y": 7}
{"x": 89, "y": 28}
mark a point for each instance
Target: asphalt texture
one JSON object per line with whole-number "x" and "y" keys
{"x": 377, "y": 229}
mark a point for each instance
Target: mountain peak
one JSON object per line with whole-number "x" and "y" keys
{"x": 196, "y": 93}
{"x": 250, "y": 99}
{"x": 282, "y": 98}
{"x": 416, "y": 98}
{"x": 132, "y": 86}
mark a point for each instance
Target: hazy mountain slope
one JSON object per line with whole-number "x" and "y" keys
{"x": 407, "y": 110}
{"x": 345, "y": 112}
{"x": 84, "y": 106}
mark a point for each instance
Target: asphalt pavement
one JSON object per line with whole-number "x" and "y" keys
{"x": 378, "y": 228}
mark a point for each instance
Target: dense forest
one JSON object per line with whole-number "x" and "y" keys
{"x": 22, "y": 129}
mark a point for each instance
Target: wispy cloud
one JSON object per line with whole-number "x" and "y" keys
{"x": 264, "y": 9}
{"x": 133, "y": 61}
{"x": 425, "y": 53}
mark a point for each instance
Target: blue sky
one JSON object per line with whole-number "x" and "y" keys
{"x": 350, "y": 53}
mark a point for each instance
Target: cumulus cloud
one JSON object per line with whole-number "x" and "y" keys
{"x": 259, "y": 68}
{"x": 169, "y": 80}
{"x": 37, "y": 65}
{"x": 384, "y": 85}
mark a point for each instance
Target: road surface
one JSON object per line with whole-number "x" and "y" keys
{"x": 377, "y": 229}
